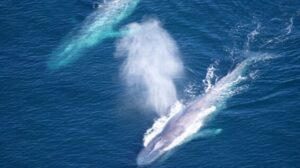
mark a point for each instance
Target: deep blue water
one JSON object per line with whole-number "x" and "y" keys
{"x": 81, "y": 115}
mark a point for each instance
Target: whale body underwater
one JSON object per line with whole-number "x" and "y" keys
{"x": 97, "y": 27}
{"x": 188, "y": 122}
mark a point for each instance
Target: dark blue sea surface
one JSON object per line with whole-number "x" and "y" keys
{"x": 82, "y": 115}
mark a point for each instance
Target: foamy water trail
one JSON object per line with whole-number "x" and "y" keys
{"x": 151, "y": 64}
{"x": 284, "y": 34}
{"x": 210, "y": 78}
{"x": 212, "y": 101}
{"x": 96, "y": 27}
{"x": 251, "y": 36}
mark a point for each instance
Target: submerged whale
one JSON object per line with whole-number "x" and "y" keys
{"x": 186, "y": 123}
{"x": 97, "y": 27}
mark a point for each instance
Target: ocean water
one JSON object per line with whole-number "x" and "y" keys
{"x": 85, "y": 115}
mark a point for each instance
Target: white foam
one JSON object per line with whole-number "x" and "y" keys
{"x": 251, "y": 36}
{"x": 210, "y": 76}
{"x": 290, "y": 26}
{"x": 160, "y": 123}
{"x": 284, "y": 35}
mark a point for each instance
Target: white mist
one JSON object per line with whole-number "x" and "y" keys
{"x": 151, "y": 63}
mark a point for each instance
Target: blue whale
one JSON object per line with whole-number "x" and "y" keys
{"x": 96, "y": 28}
{"x": 186, "y": 123}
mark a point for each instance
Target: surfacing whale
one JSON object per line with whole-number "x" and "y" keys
{"x": 96, "y": 27}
